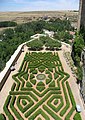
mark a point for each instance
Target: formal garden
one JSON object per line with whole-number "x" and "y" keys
{"x": 40, "y": 91}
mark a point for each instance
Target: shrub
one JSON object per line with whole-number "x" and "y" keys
{"x": 51, "y": 113}
{"x": 77, "y": 117}
{"x": 50, "y": 76}
{"x": 14, "y": 110}
{"x": 33, "y": 81}
{"x": 52, "y": 84}
{"x": 24, "y": 102}
{"x": 41, "y": 69}
{"x": 34, "y": 72}
{"x": 2, "y": 117}
{"x": 48, "y": 81}
{"x": 47, "y": 72}
{"x": 56, "y": 102}
{"x": 40, "y": 84}
{"x": 31, "y": 70}
{"x": 21, "y": 66}
{"x": 50, "y": 69}
{"x": 40, "y": 88}
{"x": 6, "y": 108}
{"x": 28, "y": 84}
{"x": 32, "y": 76}
{"x": 55, "y": 75}
{"x": 25, "y": 76}
{"x": 13, "y": 87}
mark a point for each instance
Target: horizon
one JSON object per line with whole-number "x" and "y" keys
{"x": 38, "y": 5}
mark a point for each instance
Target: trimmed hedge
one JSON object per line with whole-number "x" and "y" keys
{"x": 25, "y": 93}
{"x": 51, "y": 113}
{"x": 40, "y": 88}
{"x": 31, "y": 103}
{"x": 24, "y": 102}
{"x": 77, "y": 117}
{"x": 56, "y": 102}
{"x": 40, "y": 84}
{"x": 40, "y": 111}
{"x": 54, "y": 107}
{"x": 28, "y": 84}
{"x": 10, "y": 117}
{"x": 40, "y": 103}
{"x": 33, "y": 81}
{"x": 2, "y": 117}
{"x": 48, "y": 81}
{"x": 25, "y": 76}
{"x": 14, "y": 109}
{"x": 31, "y": 76}
{"x": 52, "y": 84}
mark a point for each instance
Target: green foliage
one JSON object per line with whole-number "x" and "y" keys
{"x": 7, "y": 24}
{"x": 52, "y": 84}
{"x": 40, "y": 88}
{"x": 77, "y": 117}
{"x": 12, "y": 38}
{"x": 33, "y": 81}
{"x": 50, "y": 76}
{"x": 76, "y": 54}
{"x": 79, "y": 73}
{"x": 31, "y": 76}
{"x": 35, "y": 45}
{"x": 77, "y": 49}
{"x": 2, "y": 117}
{"x": 50, "y": 69}
{"x": 24, "y": 102}
{"x": 28, "y": 84}
{"x": 51, "y": 113}
{"x": 41, "y": 69}
{"x": 56, "y": 102}
{"x": 34, "y": 72}
{"x": 63, "y": 36}
{"x": 6, "y": 108}
{"x": 48, "y": 81}
{"x": 55, "y": 75}
{"x": 40, "y": 84}
{"x": 37, "y": 113}
{"x": 25, "y": 76}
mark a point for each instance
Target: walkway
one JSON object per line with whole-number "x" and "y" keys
{"x": 72, "y": 81}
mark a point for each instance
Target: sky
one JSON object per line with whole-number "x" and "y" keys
{"x": 38, "y": 5}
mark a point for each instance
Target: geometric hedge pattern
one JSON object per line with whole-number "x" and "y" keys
{"x": 34, "y": 99}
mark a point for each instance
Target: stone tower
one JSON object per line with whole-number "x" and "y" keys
{"x": 83, "y": 80}
{"x": 81, "y": 20}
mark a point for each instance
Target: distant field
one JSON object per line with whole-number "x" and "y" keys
{"x": 21, "y": 17}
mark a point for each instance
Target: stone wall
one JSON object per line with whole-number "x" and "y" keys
{"x": 8, "y": 71}
{"x": 81, "y": 19}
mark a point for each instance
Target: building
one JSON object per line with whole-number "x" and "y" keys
{"x": 81, "y": 19}
{"x": 83, "y": 81}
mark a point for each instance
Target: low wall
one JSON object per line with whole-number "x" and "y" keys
{"x": 6, "y": 72}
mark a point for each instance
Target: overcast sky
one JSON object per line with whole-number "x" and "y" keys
{"x": 38, "y": 5}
